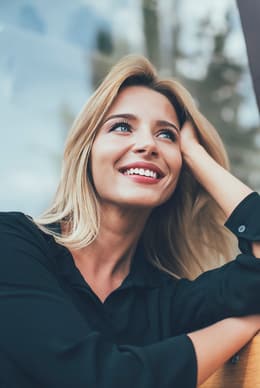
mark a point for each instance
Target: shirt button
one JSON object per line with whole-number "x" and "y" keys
{"x": 241, "y": 228}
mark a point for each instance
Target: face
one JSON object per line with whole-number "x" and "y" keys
{"x": 136, "y": 158}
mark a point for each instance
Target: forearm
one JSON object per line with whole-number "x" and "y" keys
{"x": 226, "y": 189}
{"x": 215, "y": 344}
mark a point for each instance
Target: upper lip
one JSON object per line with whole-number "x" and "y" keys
{"x": 145, "y": 166}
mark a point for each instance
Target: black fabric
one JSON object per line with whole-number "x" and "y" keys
{"x": 244, "y": 222}
{"x": 55, "y": 332}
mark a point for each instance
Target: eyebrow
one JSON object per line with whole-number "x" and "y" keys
{"x": 130, "y": 116}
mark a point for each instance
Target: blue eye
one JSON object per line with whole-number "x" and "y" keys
{"x": 120, "y": 127}
{"x": 168, "y": 134}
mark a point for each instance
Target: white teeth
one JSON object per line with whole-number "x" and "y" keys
{"x": 141, "y": 171}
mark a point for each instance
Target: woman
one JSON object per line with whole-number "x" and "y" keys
{"x": 98, "y": 291}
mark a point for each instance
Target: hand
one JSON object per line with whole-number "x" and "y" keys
{"x": 224, "y": 188}
{"x": 189, "y": 138}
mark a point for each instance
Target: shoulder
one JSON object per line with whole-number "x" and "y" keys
{"x": 14, "y": 218}
{"x": 165, "y": 281}
{"x": 27, "y": 255}
{"x": 14, "y": 224}
{"x": 19, "y": 235}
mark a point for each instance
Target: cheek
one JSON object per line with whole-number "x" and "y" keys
{"x": 108, "y": 148}
{"x": 99, "y": 157}
{"x": 103, "y": 158}
{"x": 95, "y": 163}
{"x": 176, "y": 162}
{"x": 179, "y": 158}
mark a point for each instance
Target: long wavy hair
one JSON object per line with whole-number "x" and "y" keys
{"x": 184, "y": 236}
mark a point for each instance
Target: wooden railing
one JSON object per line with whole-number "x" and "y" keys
{"x": 243, "y": 371}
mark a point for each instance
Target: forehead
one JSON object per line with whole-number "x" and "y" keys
{"x": 141, "y": 100}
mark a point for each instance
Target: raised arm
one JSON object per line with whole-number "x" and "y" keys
{"x": 226, "y": 189}
{"x": 226, "y": 336}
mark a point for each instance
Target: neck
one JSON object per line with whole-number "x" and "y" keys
{"x": 111, "y": 253}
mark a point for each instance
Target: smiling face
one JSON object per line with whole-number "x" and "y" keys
{"x": 136, "y": 158}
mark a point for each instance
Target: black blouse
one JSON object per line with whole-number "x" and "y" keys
{"x": 56, "y": 333}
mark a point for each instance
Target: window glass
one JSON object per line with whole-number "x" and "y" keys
{"x": 54, "y": 53}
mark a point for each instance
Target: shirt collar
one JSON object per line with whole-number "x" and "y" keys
{"x": 142, "y": 273}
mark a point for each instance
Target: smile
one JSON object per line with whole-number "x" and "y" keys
{"x": 142, "y": 172}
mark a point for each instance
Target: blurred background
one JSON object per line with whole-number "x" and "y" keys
{"x": 55, "y": 52}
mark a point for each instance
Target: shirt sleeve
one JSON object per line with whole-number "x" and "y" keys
{"x": 45, "y": 342}
{"x": 244, "y": 222}
{"x": 231, "y": 290}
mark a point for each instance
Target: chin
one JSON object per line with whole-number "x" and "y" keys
{"x": 145, "y": 203}
{"x": 135, "y": 199}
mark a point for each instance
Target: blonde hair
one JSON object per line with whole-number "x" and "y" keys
{"x": 184, "y": 236}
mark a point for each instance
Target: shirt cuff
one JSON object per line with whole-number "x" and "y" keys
{"x": 244, "y": 222}
{"x": 179, "y": 360}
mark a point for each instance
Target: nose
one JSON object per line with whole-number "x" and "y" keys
{"x": 145, "y": 143}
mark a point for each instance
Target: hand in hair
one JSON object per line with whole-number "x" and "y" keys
{"x": 227, "y": 190}
{"x": 189, "y": 139}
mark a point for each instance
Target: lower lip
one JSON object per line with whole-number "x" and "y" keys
{"x": 142, "y": 179}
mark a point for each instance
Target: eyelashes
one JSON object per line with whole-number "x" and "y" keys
{"x": 120, "y": 125}
{"x": 168, "y": 134}
{"x": 125, "y": 127}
